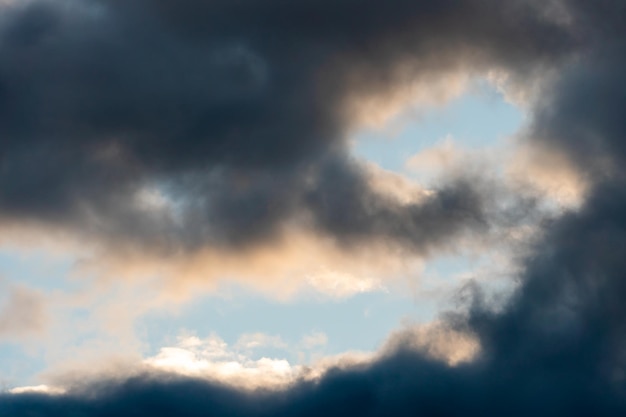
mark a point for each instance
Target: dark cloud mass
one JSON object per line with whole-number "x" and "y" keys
{"x": 556, "y": 347}
{"x": 236, "y": 110}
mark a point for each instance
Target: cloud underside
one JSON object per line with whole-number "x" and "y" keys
{"x": 177, "y": 127}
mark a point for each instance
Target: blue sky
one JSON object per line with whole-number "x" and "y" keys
{"x": 477, "y": 119}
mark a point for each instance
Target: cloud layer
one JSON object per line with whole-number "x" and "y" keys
{"x": 177, "y": 127}
{"x": 273, "y": 126}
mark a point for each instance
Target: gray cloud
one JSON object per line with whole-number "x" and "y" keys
{"x": 236, "y": 111}
{"x": 557, "y": 347}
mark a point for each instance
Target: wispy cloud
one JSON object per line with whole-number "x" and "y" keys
{"x": 23, "y": 313}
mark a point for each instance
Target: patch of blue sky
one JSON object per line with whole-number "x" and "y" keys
{"x": 36, "y": 268}
{"x": 477, "y": 119}
{"x": 360, "y": 323}
{"x": 18, "y": 366}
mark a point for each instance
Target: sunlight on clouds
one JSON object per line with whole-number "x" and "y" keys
{"x": 124, "y": 282}
{"x": 297, "y": 260}
{"x": 212, "y": 358}
{"x": 151, "y": 198}
{"x": 431, "y": 162}
{"x": 192, "y": 164}
{"x": 394, "y": 185}
{"x": 341, "y": 285}
{"x": 38, "y": 389}
{"x": 378, "y": 109}
{"x": 549, "y": 171}
{"x": 23, "y": 312}
{"x": 520, "y": 93}
{"x": 448, "y": 159}
{"x": 438, "y": 341}
{"x": 284, "y": 268}
{"x": 521, "y": 167}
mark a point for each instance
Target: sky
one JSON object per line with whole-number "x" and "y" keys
{"x": 260, "y": 207}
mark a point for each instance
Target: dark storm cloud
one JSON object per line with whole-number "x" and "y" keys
{"x": 583, "y": 114}
{"x": 345, "y": 205}
{"x": 237, "y": 110}
{"x": 556, "y": 347}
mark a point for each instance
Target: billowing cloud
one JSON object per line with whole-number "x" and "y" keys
{"x": 210, "y": 124}
{"x": 525, "y": 166}
{"x": 213, "y": 359}
{"x": 549, "y": 171}
{"x": 554, "y": 347}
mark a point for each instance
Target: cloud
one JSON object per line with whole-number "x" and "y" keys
{"x": 176, "y": 128}
{"x": 213, "y": 359}
{"x": 446, "y": 160}
{"x": 554, "y": 347}
{"x": 436, "y": 340}
{"x": 23, "y": 313}
{"x": 252, "y": 341}
{"x": 314, "y": 340}
{"x": 43, "y": 389}
{"x": 242, "y": 365}
{"x": 549, "y": 171}
{"x": 525, "y": 166}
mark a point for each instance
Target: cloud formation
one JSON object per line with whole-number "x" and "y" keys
{"x": 177, "y": 127}
{"x": 555, "y": 347}
{"x": 22, "y": 312}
